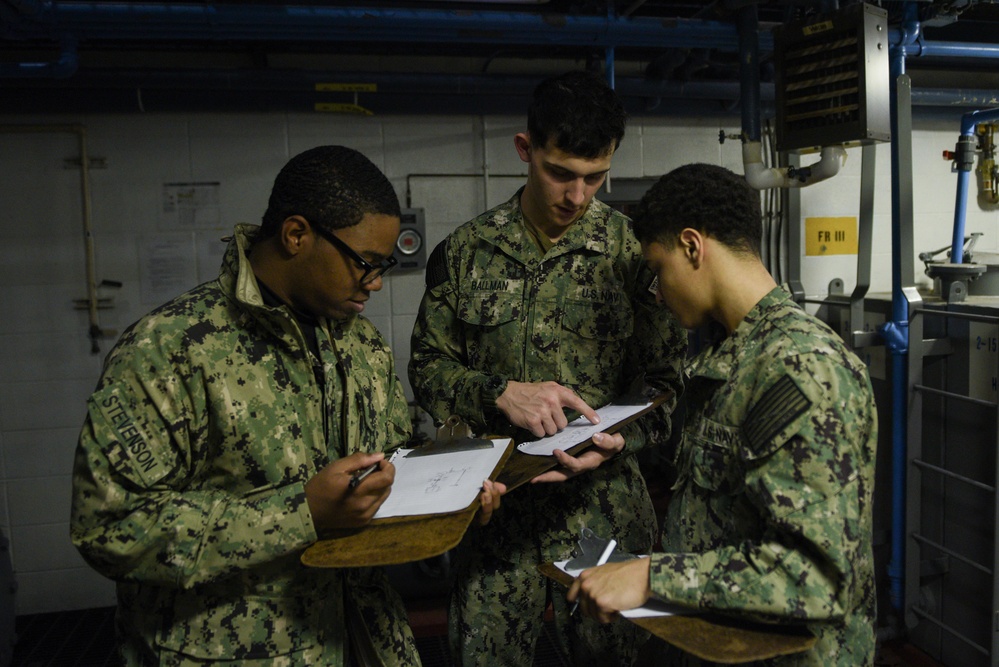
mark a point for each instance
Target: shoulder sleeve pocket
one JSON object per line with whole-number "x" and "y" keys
{"x": 778, "y": 414}
{"x": 126, "y": 439}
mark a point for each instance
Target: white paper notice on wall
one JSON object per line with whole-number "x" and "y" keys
{"x": 167, "y": 267}
{"x": 191, "y": 206}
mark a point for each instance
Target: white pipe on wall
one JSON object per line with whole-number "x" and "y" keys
{"x": 762, "y": 177}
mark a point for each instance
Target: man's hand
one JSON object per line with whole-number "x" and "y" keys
{"x": 335, "y": 505}
{"x": 606, "y": 445}
{"x": 606, "y": 590}
{"x": 489, "y": 500}
{"x": 537, "y": 406}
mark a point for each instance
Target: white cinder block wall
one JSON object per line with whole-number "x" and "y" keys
{"x": 453, "y": 167}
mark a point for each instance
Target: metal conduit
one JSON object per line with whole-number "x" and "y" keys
{"x": 94, "y": 329}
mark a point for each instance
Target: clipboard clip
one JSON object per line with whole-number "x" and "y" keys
{"x": 591, "y": 547}
{"x": 453, "y": 435}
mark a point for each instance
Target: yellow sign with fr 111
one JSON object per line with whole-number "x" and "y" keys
{"x": 830, "y": 236}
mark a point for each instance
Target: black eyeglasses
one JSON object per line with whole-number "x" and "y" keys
{"x": 371, "y": 271}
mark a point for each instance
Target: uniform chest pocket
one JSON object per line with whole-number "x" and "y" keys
{"x": 488, "y": 309}
{"x": 593, "y": 343}
{"x": 599, "y": 320}
{"x": 712, "y": 467}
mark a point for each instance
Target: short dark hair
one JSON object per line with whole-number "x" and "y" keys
{"x": 330, "y": 186}
{"x": 579, "y": 113}
{"x": 711, "y": 199}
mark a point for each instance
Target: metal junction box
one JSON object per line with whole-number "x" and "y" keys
{"x": 832, "y": 79}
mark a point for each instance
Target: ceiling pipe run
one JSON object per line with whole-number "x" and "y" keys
{"x": 62, "y": 68}
{"x": 271, "y": 90}
{"x": 119, "y": 21}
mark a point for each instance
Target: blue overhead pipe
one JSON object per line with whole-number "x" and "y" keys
{"x": 951, "y": 49}
{"x": 62, "y": 68}
{"x": 184, "y": 21}
{"x": 965, "y": 158}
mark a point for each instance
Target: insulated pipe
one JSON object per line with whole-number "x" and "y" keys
{"x": 966, "y": 144}
{"x": 761, "y": 178}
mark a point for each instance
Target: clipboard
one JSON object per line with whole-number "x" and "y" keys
{"x": 714, "y": 637}
{"x": 520, "y": 468}
{"x": 399, "y": 539}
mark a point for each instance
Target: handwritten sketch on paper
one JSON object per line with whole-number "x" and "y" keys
{"x": 580, "y": 430}
{"x": 439, "y": 483}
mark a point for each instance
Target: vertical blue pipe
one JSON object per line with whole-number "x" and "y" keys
{"x": 964, "y": 167}
{"x": 609, "y": 65}
{"x": 896, "y": 339}
{"x": 960, "y": 212}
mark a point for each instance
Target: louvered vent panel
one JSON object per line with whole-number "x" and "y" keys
{"x": 832, "y": 80}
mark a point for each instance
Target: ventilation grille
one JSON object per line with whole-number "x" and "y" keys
{"x": 832, "y": 80}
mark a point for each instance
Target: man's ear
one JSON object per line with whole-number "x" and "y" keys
{"x": 522, "y": 142}
{"x": 693, "y": 245}
{"x": 295, "y": 234}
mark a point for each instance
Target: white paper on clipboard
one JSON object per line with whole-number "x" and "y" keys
{"x": 439, "y": 483}
{"x": 581, "y": 430}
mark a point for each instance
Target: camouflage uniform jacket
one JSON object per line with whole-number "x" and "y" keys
{"x": 771, "y": 515}
{"x": 209, "y": 418}
{"x": 495, "y": 309}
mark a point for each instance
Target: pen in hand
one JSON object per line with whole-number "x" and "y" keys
{"x": 608, "y": 550}
{"x": 358, "y": 476}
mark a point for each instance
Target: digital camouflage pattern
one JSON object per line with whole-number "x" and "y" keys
{"x": 188, "y": 486}
{"x": 498, "y": 309}
{"x": 771, "y": 513}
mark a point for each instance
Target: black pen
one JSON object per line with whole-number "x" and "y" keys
{"x": 359, "y": 476}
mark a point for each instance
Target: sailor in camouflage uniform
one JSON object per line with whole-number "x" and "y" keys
{"x": 771, "y": 513}
{"x": 223, "y": 432}
{"x": 538, "y": 305}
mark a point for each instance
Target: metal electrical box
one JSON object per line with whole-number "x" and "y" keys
{"x": 411, "y": 246}
{"x": 832, "y": 79}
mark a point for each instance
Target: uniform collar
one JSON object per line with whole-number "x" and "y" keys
{"x": 504, "y": 228}
{"x": 718, "y": 360}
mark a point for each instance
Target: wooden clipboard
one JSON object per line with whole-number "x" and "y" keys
{"x": 520, "y": 468}
{"x": 713, "y": 637}
{"x": 396, "y": 540}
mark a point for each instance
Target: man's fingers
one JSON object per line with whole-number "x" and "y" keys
{"x": 490, "y": 500}
{"x": 572, "y": 400}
